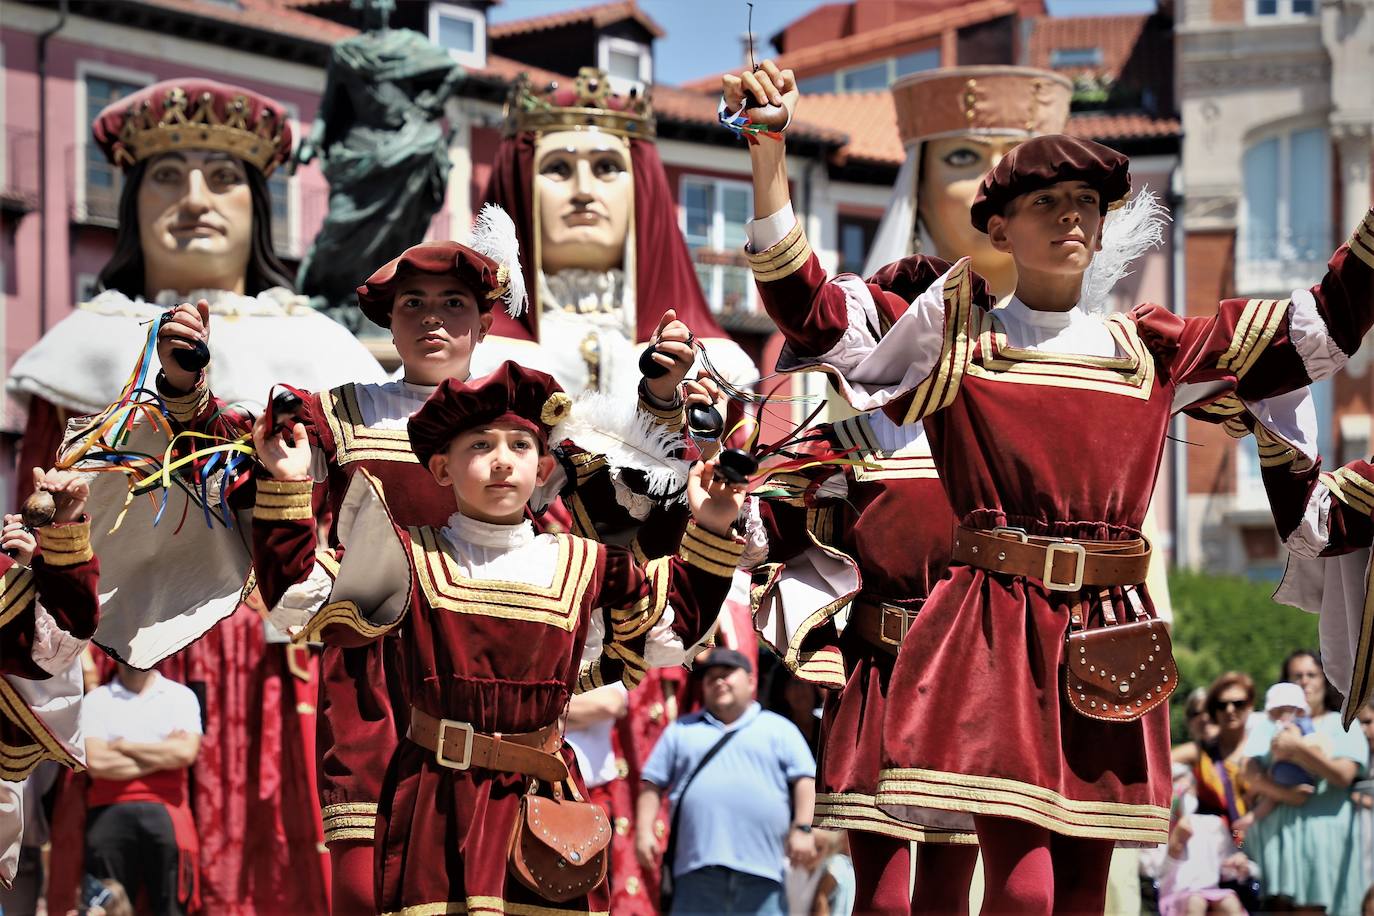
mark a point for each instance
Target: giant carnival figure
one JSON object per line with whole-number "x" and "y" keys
{"x": 955, "y": 125}
{"x": 580, "y": 175}
{"x": 195, "y": 225}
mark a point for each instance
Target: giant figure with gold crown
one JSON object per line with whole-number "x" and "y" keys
{"x": 195, "y": 224}
{"x": 580, "y": 175}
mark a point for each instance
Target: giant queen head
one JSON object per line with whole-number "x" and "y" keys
{"x": 580, "y": 176}
{"x": 955, "y": 125}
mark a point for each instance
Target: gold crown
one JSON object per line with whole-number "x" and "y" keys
{"x": 257, "y": 133}
{"x": 588, "y": 101}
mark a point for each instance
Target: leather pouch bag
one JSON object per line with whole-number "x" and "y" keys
{"x": 560, "y": 848}
{"x": 1120, "y": 671}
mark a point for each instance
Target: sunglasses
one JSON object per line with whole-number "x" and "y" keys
{"x": 1229, "y": 705}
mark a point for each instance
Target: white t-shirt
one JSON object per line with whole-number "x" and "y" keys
{"x": 112, "y": 711}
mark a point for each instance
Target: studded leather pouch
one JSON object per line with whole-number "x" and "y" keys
{"x": 560, "y": 847}
{"x": 1119, "y": 671}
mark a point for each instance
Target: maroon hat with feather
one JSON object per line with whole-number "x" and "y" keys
{"x": 1044, "y": 161}
{"x": 527, "y": 397}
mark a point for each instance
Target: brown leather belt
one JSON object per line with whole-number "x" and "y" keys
{"x": 881, "y": 623}
{"x": 1062, "y": 564}
{"x": 457, "y": 746}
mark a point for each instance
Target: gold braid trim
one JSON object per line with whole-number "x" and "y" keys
{"x": 672, "y": 418}
{"x": 344, "y": 613}
{"x": 489, "y": 906}
{"x": 66, "y": 544}
{"x": 1361, "y": 242}
{"x": 349, "y": 821}
{"x": 783, "y": 259}
{"x": 824, "y": 668}
{"x": 284, "y": 500}
{"x": 589, "y": 676}
{"x": 17, "y": 592}
{"x": 627, "y": 623}
{"x": 710, "y": 552}
{"x": 186, "y": 407}
{"x": 1351, "y": 489}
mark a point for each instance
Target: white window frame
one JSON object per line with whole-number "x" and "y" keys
{"x": 85, "y": 69}
{"x": 1281, "y": 274}
{"x": 1284, "y": 13}
{"x": 715, "y": 294}
{"x": 474, "y": 58}
{"x": 608, "y": 44}
{"x": 837, "y": 77}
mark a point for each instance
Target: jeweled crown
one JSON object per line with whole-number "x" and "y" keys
{"x": 589, "y": 100}
{"x": 195, "y": 114}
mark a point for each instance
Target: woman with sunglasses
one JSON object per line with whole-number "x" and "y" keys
{"x": 1218, "y": 761}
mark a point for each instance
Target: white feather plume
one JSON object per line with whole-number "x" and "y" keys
{"x": 494, "y": 236}
{"x": 1126, "y": 235}
{"x": 614, "y": 426}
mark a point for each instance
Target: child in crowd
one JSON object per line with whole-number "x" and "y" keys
{"x": 497, "y": 625}
{"x": 1286, "y": 707}
{"x": 1199, "y": 856}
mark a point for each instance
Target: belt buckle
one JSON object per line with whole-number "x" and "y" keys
{"x": 1021, "y": 534}
{"x": 904, "y": 618}
{"x": 466, "y": 729}
{"x": 1080, "y": 557}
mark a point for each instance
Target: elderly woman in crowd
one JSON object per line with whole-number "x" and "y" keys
{"x": 1309, "y": 849}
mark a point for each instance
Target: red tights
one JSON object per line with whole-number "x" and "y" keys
{"x": 1028, "y": 869}
{"x": 352, "y": 892}
{"x": 882, "y": 872}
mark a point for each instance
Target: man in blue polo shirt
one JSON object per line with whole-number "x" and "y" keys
{"x": 746, "y": 810}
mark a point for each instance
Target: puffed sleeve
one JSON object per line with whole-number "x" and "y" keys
{"x": 659, "y": 613}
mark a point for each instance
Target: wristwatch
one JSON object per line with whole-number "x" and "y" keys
{"x": 804, "y": 828}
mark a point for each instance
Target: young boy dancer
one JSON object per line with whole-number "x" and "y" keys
{"x": 1047, "y": 426}
{"x": 437, "y": 299}
{"x": 848, "y": 535}
{"x": 497, "y": 624}
{"x": 49, "y": 607}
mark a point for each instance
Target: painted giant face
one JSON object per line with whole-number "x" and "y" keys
{"x": 951, "y": 169}
{"x": 195, "y": 217}
{"x": 584, "y": 188}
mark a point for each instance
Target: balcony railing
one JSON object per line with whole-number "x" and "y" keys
{"x": 19, "y": 174}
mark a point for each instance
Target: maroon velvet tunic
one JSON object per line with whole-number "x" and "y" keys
{"x": 1062, "y": 446}
{"x": 891, "y": 518}
{"x": 503, "y": 656}
{"x": 65, "y": 578}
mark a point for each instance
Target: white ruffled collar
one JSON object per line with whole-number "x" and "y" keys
{"x": 583, "y": 291}
{"x": 466, "y": 529}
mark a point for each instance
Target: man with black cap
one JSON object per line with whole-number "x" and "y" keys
{"x": 752, "y": 783}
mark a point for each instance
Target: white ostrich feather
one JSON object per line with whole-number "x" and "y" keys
{"x": 1127, "y": 234}
{"x": 615, "y": 427}
{"x": 494, "y": 236}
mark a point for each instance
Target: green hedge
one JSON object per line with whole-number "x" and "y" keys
{"x": 1227, "y": 623}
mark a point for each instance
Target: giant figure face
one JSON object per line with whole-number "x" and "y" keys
{"x": 951, "y": 170}
{"x": 195, "y": 220}
{"x": 584, "y": 190}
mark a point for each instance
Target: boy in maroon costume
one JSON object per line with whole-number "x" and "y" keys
{"x": 831, "y": 545}
{"x": 438, "y": 300}
{"x": 1047, "y": 426}
{"x": 497, "y": 625}
{"x": 40, "y": 687}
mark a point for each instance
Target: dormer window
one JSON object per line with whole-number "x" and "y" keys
{"x": 460, "y": 31}
{"x": 629, "y": 64}
{"x": 1065, "y": 58}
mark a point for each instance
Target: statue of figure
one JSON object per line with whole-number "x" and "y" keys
{"x": 956, "y": 124}
{"x": 195, "y": 224}
{"x": 599, "y": 238}
{"x": 383, "y": 149}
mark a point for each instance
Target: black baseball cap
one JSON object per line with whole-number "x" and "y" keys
{"x": 722, "y": 657}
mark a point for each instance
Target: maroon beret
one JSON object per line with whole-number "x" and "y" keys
{"x": 1043, "y": 161}
{"x": 194, "y": 113}
{"x": 512, "y": 393}
{"x": 486, "y": 278}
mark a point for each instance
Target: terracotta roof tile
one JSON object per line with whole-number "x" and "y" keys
{"x": 869, "y": 119}
{"x": 1106, "y": 126}
{"x": 264, "y": 15}
{"x": 600, "y": 15}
